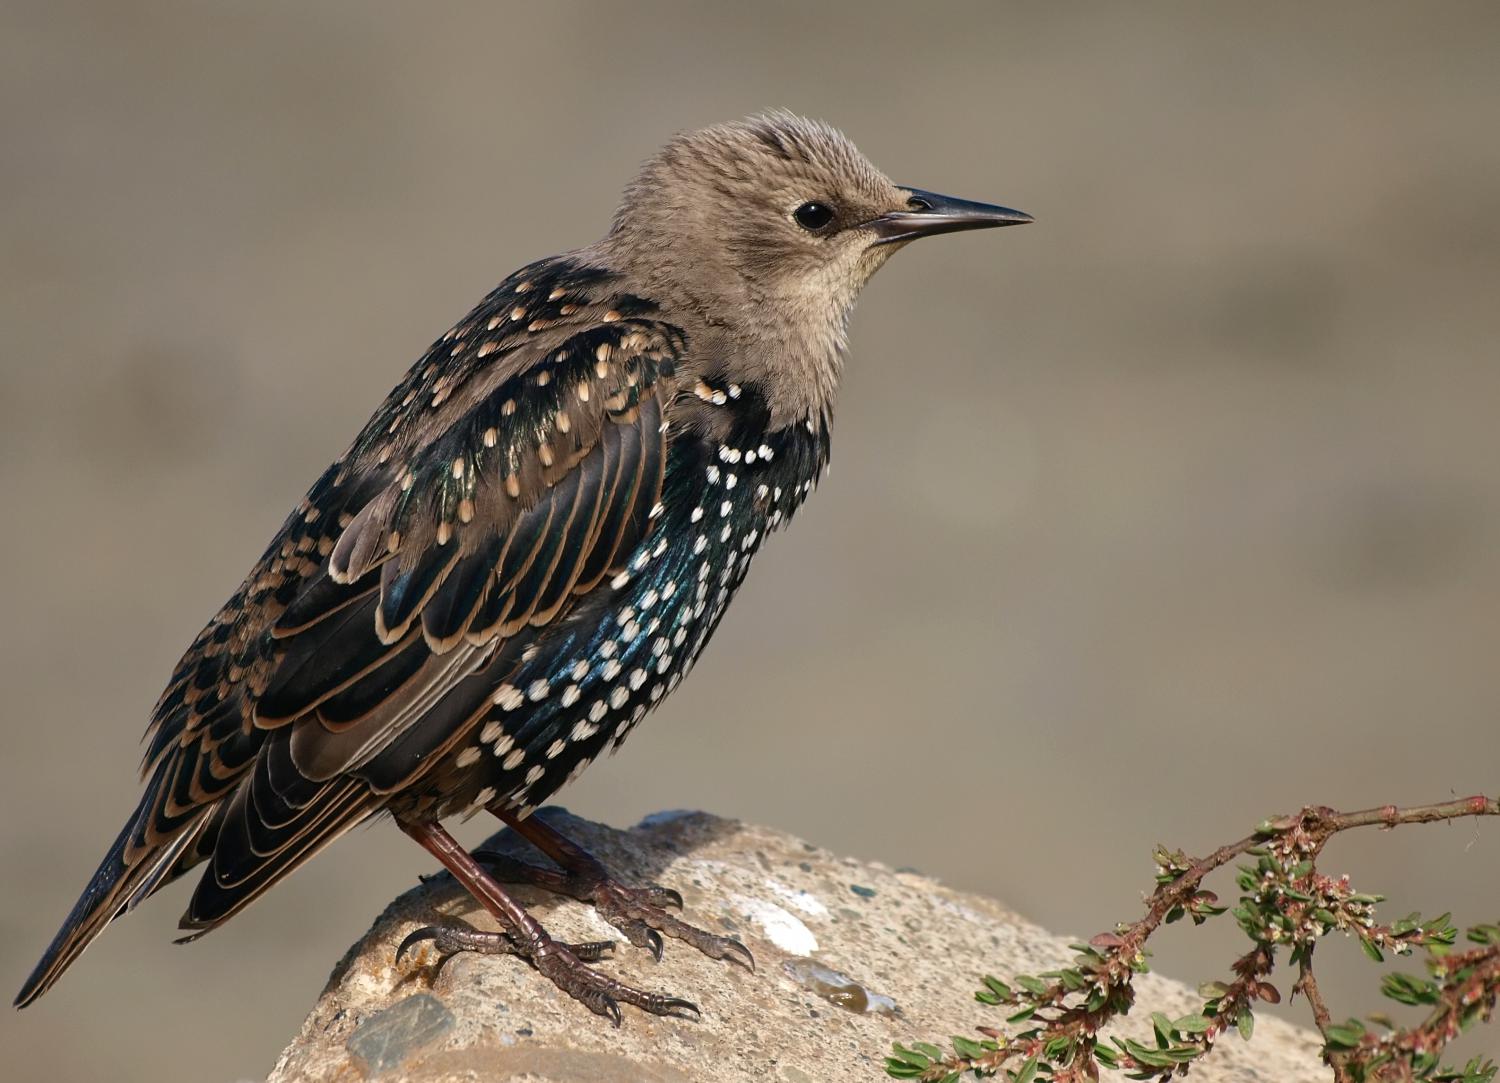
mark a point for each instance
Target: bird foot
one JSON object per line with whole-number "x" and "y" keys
{"x": 600, "y": 993}
{"x": 639, "y": 912}
{"x": 565, "y": 965}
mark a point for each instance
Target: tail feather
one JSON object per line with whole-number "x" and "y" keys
{"x": 116, "y": 887}
{"x": 261, "y": 839}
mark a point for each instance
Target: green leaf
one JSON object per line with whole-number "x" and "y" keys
{"x": 904, "y": 1064}
{"x": 1152, "y": 1058}
{"x": 1161, "y": 1058}
{"x": 1245, "y": 1024}
{"x": 1163, "y": 1027}
{"x": 997, "y": 987}
{"x": 1406, "y": 989}
{"x": 1034, "y": 986}
{"x": 1057, "y": 1048}
{"x": 967, "y": 1047}
{"x": 1193, "y": 1024}
{"x": 1372, "y": 951}
{"x": 910, "y": 1057}
{"x": 1346, "y": 1035}
{"x": 1483, "y": 934}
{"x": 1027, "y": 1072}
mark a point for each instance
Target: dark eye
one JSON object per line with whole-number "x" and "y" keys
{"x": 813, "y": 216}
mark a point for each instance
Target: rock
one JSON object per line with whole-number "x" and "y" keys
{"x": 850, "y": 955}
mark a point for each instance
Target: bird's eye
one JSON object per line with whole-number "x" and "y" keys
{"x": 813, "y": 216}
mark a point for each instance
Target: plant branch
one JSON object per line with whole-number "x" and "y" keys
{"x": 1307, "y": 985}
{"x": 1286, "y": 904}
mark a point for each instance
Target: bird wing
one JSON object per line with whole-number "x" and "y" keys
{"x": 524, "y": 499}
{"x": 505, "y": 475}
{"x": 527, "y": 500}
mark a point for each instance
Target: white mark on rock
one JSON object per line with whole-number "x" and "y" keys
{"x": 804, "y": 901}
{"x": 782, "y": 927}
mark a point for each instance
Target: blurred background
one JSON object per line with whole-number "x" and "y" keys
{"x": 1176, "y": 509}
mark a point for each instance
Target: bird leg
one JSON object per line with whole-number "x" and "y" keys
{"x": 637, "y": 911}
{"x": 565, "y": 965}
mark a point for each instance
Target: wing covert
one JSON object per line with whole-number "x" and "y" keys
{"x": 525, "y": 501}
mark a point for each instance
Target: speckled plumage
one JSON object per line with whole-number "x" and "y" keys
{"x": 532, "y": 539}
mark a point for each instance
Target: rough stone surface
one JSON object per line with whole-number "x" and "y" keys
{"x": 830, "y": 934}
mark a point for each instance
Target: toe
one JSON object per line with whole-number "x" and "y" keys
{"x": 592, "y": 951}
{"x": 637, "y": 931}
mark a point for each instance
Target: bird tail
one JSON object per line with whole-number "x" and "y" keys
{"x": 118, "y": 885}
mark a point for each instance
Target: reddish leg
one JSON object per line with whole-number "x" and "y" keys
{"x": 638, "y": 912}
{"x": 562, "y": 964}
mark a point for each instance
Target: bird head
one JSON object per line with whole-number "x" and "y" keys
{"x": 770, "y": 227}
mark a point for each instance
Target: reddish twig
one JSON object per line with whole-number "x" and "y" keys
{"x": 1289, "y": 904}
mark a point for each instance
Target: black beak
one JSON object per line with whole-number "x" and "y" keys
{"x": 931, "y": 213}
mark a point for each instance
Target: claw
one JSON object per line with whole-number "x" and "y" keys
{"x": 665, "y": 896}
{"x": 731, "y": 946}
{"x": 654, "y": 943}
{"x": 610, "y": 1008}
{"x": 673, "y": 1005}
{"x": 426, "y": 932}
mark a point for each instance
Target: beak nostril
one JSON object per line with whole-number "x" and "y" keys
{"x": 917, "y": 203}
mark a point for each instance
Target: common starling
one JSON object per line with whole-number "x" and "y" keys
{"x": 524, "y": 550}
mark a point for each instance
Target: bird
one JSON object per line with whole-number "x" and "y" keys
{"x": 523, "y": 552}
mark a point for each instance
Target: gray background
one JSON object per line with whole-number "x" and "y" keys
{"x": 1177, "y": 508}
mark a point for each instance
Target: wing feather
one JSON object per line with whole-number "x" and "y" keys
{"x": 450, "y": 611}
